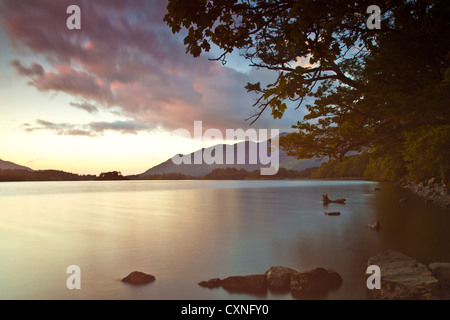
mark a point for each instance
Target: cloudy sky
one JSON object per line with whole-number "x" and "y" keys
{"x": 108, "y": 96}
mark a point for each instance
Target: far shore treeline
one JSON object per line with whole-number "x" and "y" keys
{"x": 44, "y": 175}
{"x": 355, "y": 167}
{"x": 359, "y": 166}
{"x": 217, "y": 174}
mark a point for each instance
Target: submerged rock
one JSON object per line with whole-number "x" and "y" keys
{"x": 211, "y": 284}
{"x": 318, "y": 280}
{"x": 256, "y": 283}
{"x": 251, "y": 283}
{"x": 327, "y": 200}
{"x": 138, "y": 278}
{"x": 279, "y": 278}
{"x": 403, "y": 278}
{"x": 332, "y": 213}
{"x": 375, "y": 225}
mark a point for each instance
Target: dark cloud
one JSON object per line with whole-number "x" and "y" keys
{"x": 51, "y": 125}
{"x": 76, "y": 83}
{"x": 125, "y": 57}
{"x": 85, "y": 106}
{"x": 76, "y": 132}
{"x": 93, "y": 129}
{"x": 129, "y": 127}
{"x": 34, "y": 70}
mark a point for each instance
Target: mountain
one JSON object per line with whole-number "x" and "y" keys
{"x": 198, "y": 170}
{"x": 6, "y": 165}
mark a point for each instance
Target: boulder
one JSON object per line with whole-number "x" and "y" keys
{"x": 318, "y": 280}
{"x": 138, "y": 278}
{"x": 279, "y": 278}
{"x": 211, "y": 284}
{"x": 403, "y": 278}
{"x": 441, "y": 271}
{"x": 251, "y": 283}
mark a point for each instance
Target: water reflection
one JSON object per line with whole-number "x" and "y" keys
{"x": 188, "y": 231}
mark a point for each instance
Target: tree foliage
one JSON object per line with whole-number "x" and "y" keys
{"x": 427, "y": 153}
{"x": 242, "y": 174}
{"x": 275, "y": 35}
{"x": 351, "y": 167}
{"x": 113, "y": 175}
{"x": 371, "y": 89}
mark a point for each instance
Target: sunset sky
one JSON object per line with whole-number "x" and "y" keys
{"x": 108, "y": 96}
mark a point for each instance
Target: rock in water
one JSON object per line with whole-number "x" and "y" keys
{"x": 441, "y": 271}
{"x": 332, "y": 213}
{"x": 327, "y": 200}
{"x": 138, "y": 278}
{"x": 211, "y": 284}
{"x": 403, "y": 278}
{"x": 317, "y": 280}
{"x": 375, "y": 225}
{"x": 279, "y": 278}
{"x": 254, "y": 283}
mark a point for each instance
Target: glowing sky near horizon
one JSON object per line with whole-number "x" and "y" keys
{"x": 108, "y": 96}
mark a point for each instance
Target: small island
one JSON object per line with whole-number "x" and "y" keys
{"x": 109, "y": 176}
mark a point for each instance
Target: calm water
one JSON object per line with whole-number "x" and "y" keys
{"x": 188, "y": 231}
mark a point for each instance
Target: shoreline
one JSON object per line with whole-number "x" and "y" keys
{"x": 201, "y": 179}
{"x": 431, "y": 190}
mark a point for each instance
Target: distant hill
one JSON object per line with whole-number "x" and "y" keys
{"x": 44, "y": 175}
{"x": 6, "y": 165}
{"x": 199, "y": 170}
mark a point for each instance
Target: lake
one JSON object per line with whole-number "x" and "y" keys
{"x": 184, "y": 232}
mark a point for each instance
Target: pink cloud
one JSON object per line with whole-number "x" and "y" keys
{"x": 115, "y": 85}
{"x": 89, "y": 46}
{"x": 124, "y": 57}
{"x": 76, "y": 83}
{"x": 92, "y": 129}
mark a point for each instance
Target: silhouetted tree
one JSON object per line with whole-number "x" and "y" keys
{"x": 114, "y": 175}
{"x": 379, "y": 89}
